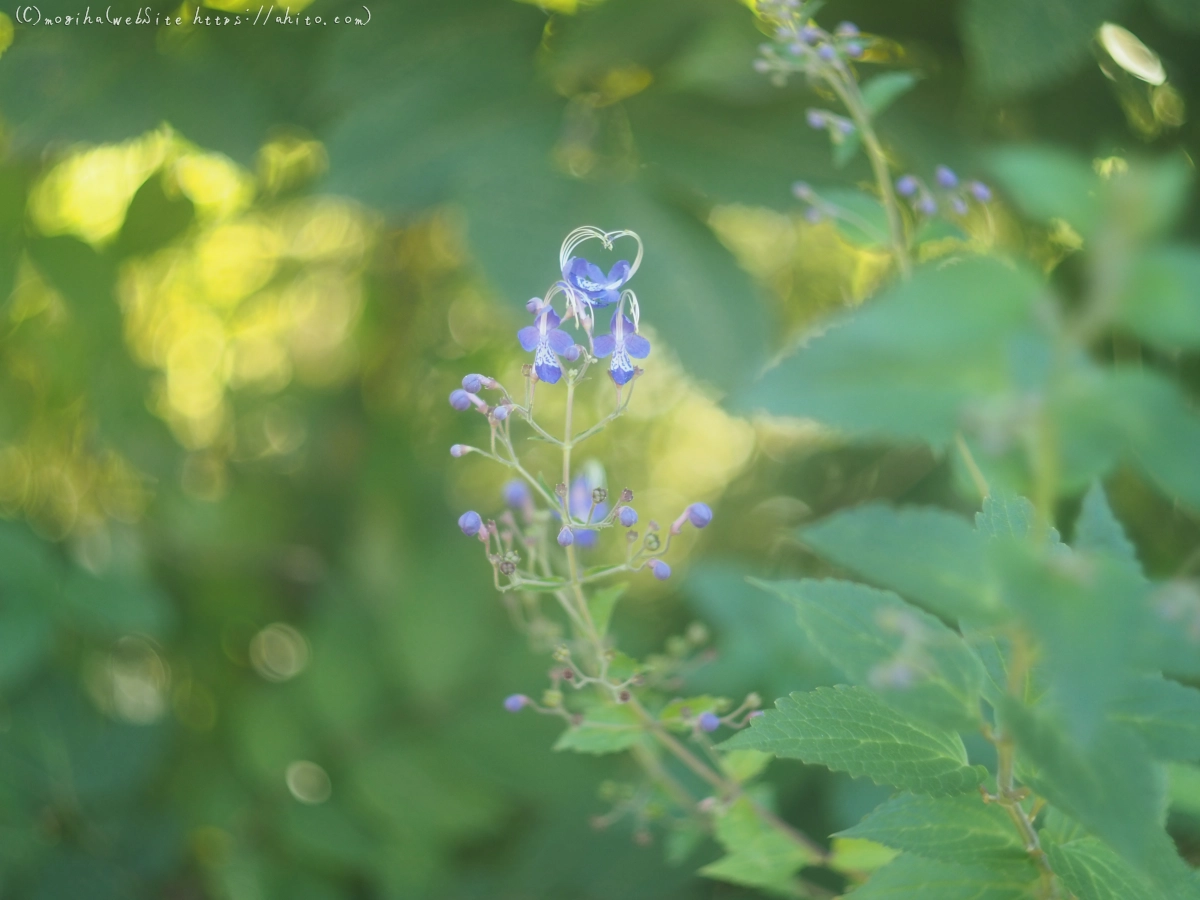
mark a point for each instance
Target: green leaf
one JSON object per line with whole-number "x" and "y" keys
{"x": 878, "y": 94}
{"x": 116, "y": 606}
{"x": 1049, "y": 183}
{"x": 742, "y": 765}
{"x": 909, "y": 364}
{"x": 1184, "y": 790}
{"x": 1024, "y": 44}
{"x": 606, "y": 728}
{"x": 757, "y": 854}
{"x": 918, "y": 664}
{"x": 1160, "y": 299}
{"x": 1166, "y": 714}
{"x": 1098, "y": 530}
{"x": 960, "y": 829}
{"x": 1006, "y": 515}
{"x": 849, "y": 729}
{"x": 857, "y": 855}
{"x": 1090, "y": 869}
{"x": 1163, "y": 431}
{"x": 1088, "y": 614}
{"x": 1180, "y": 13}
{"x": 1109, "y": 786}
{"x": 932, "y": 557}
{"x": 914, "y": 878}
{"x": 601, "y": 605}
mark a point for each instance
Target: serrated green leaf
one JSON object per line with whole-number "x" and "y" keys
{"x": 908, "y": 365}
{"x": 609, "y": 728}
{"x": 742, "y": 765}
{"x": 915, "y": 878}
{"x": 1049, "y": 183}
{"x": 960, "y": 829}
{"x": 757, "y": 854}
{"x": 1165, "y": 714}
{"x": 855, "y": 855}
{"x": 1024, "y": 44}
{"x": 849, "y": 729}
{"x": 1109, "y": 786}
{"x": 601, "y": 605}
{"x": 1088, "y": 867}
{"x": 918, "y": 664}
{"x": 1088, "y": 614}
{"x": 932, "y": 557}
{"x": 1098, "y": 530}
{"x": 1006, "y": 515}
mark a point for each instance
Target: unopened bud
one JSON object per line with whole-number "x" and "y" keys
{"x": 627, "y": 516}
{"x": 626, "y": 495}
{"x": 515, "y": 702}
{"x": 500, "y": 413}
{"x": 460, "y": 399}
{"x": 652, "y": 542}
{"x": 599, "y": 495}
{"x": 565, "y": 537}
{"x": 572, "y": 353}
{"x": 472, "y": 384}
{"x": 568, "y": 674}
{"x": 560, "y": 489}
{"x": 552, "y": 698}
{"x": 507, "y": 568}
{"x": 458, "y": 450}
{"x": 752, "y": 699}
{"x": 624, "y": 697}
{"x": 709, "y": 721}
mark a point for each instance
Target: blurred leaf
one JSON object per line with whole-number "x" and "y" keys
{"x": 607, "y": 728}
{"x": 863, "y": 220}
{"x": 870, "y": 634}
{"x": 1048, "y": 183}
{"x": 154, "y": 219}
{"x": 1108, "y": 786}
{"x": 1160, "y": 301}
{"x": 1026, "y": 44}
{"x": 1006, "y": 515}
{"x": 952, "y": 829}
{"x": 849, "y": 729}
{"x": 1097, "y": 529}
{"x": 858, "y": 855}
{"x": 601, "y": 605}
{"x": 326, "y": 834}
{"x": 1090, "y": 869}
{"x": 911, "y": 876}
{"x": 757, "y": 855}
{"x": 115, "y": 606}
{"x": 932, "y": 557}
{"x": 1165, "y": 714}
{"x": 907, "y": 365}
{"x": 1180, "y": 13}
{"x": 1185, "y": 788}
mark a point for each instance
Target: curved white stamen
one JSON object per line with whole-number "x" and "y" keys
{"x": 635, "y": 310}
{"x": 590, "y": 232}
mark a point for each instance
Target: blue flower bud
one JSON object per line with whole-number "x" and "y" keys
{"x": 959, "y": 205}
{"x": 472, "y": 384}
{"x": 854, "y": 49}
{"x": 945, "y": 177}
{"x": 812, "y": 215}
{"x": 470, "y": 523}
{"x": 927, "y": 205}
{"x": 980, "y": 191}
{"x": 810, "y": 34}
{"x": 709, "y": 721}
{"x": 797, "y": 47}
{"x": 816, "y": 118}
{"x": 516, "y": 492}
{"x": 572, "y": 354}
{"x": 628, "y": 516}
{"x": 565, "y": 537}
{"x": 533, "y": 304}
{"x": 457, "y": 450}
{"x": 660, "y": 569}
{"x": 515, "y": 702}
{"x": 500, "y": 413}
{"x": 846, "y": 29}
{"x": 845, "y": 126}
{"x": 460, "y": 400}
{"x": 827, "y": 52}
{"x": 906, "y": 185}
{"x": 699, "y": 514}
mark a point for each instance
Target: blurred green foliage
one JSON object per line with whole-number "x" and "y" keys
{"x": 241, "y": 653}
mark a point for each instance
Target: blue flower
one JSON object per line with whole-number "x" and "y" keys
{"x": 709, "y": 721}
{"x": 589, "y": 280}
{"x": 516, "y": 493}
{"x": 580, "y": 505}
{"x": 623, "y": 343}
{"x": 545, "y": 339}
{"x": 515, "y": 702}
{"x": 470, "y": 523}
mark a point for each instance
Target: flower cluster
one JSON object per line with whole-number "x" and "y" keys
{"x": 947, "y": 187}
{"x": 800, "y": 45}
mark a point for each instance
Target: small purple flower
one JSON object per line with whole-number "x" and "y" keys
{"x": 565, "y": 538}
{"x": 623, "y": 343}
{"x": 980, "y": 191}
{"x": 515, "y": 702}
{"x": 827, "y": 52}
{"x": 906, "y": 185}
{"x": 470, "y": 523}
{"x": 660, "y": 569}
{"x": 699, "y": 514}
{"x": 945, "y": 177}
{"x": 846, "y": 29}
{"x": 845, "y": 126}
{"x": 927, "y": 205}
{"x": 959, "y": 205}
{"x": 627, "y": 516}
{"x": 854, "y": 49}
{"x": 545, "y": 339}
{"x": 460, "y": 399}
{"x": 797, "y": 47}
{"x": 472, "y": 384}
{"x": 588, "y": 280}
{"x": 457, "y": 450}
{"x": 816, "y": 118}
{"x": 516, "y": 493}
{"x": 709, "y": 721}
{"x": 810, "y": 34}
